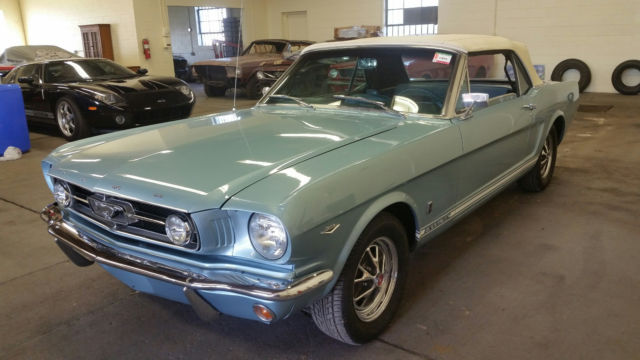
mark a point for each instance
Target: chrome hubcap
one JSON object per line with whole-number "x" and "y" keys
{"x": 546, "y": 156}
{"x": 66, "y": 119}
{"x": 375, "y": 279}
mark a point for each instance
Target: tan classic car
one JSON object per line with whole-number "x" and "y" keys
{"x": 218, "y": 75}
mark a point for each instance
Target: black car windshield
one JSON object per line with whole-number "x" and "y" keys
{"x": 404, "y": 79}
{"x": 84, "y": 70}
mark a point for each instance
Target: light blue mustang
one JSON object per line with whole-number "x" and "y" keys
{"x": 314, "y": 198}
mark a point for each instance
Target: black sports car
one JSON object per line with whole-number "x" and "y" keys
{"x": 85, "y": 94}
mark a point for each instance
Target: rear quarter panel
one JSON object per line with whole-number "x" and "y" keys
{"x": 554, "y": 100}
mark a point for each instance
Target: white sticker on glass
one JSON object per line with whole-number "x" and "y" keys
{"x": 442, "y": 58}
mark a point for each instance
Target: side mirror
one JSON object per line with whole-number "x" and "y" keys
{"x": 265, "y": 90}
{"x": 142, "y": 71}
{"x": 473, "y": 102}
{"x": 26, "y": 80}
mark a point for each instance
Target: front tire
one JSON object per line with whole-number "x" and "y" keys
{"x": 366, "y": 296}
{"x": 71, "y": 123}
{"x": 212, "y": 91}
{"x": 254, "y": 88}
{"x": 540, "y": 175}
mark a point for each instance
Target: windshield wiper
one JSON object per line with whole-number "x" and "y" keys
{"x": 379, "y": 104}
{"x": 297, "y": 100}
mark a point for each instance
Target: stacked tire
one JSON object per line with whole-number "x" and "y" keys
{"x": 585, "y": 74}
{"x": 616, "y": 77}
{"x": 573, "y": 64}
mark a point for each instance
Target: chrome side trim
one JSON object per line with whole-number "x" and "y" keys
{"x": 80, "y": 199}
{"x": 139, "y": 217}
{"x": 94, "y": 251}
{"x": 474, "y": 199}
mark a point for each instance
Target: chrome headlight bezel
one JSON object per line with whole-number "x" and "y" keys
{"x": 62, "y": 193}
{"x": 268, "y": 236}
{"x": 179, "y": 229}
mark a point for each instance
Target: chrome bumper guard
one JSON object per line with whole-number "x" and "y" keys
{"x": 94, "y": 251}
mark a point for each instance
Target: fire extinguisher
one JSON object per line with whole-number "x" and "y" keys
{"x": 146, "y": 49}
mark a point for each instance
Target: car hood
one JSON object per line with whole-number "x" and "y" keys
{"x": 199, "y": 163}
{"x": 130, "y": 85}
{"x": 253, "y": 59}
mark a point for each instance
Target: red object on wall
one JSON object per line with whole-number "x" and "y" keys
{"x": 146, "y": 49}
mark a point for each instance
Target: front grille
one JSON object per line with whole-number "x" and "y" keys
{"x": 147, "y": 222}
{"x": 161, "y": 115}
{"x": 211, "y": 72}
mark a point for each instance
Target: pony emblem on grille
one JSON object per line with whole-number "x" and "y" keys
{"x": 112, "y": 210}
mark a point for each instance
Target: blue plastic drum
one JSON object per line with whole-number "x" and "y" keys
{"x": 13, "y": 123}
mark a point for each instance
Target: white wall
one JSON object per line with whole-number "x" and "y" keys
{"x": 324, "y": 16}
{"x": 152, "y": 23}
{"x": 56, "y": 23}
{"x": 602, "y": 33}
{"x": 11, "y": 31}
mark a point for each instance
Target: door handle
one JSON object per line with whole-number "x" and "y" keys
{"x": 529, "y": 106}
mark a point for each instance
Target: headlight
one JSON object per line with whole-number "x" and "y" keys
{"x": 233, "y": 72}
{"x": 110, "y": 98}
{"x": 268, "y": 236}
{"x": 62, "y": 194}
{"x": 178, "y": 230}
{"x": 185, "y": 90}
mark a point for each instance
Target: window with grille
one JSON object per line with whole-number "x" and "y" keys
{"x": 210, "y": 25}
{"x": 411, "y": 17}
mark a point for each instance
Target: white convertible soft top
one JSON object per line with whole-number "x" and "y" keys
{"x": 465, "y": 43}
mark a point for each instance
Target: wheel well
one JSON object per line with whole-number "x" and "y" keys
{"x": 404, "y": 213}
{"x": 53, "y": 101}
{"x": 558, "y": 124}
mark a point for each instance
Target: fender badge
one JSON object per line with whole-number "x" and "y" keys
{"x": 330, "y": 229}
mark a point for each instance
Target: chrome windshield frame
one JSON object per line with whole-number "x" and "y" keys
{"x": 448, "y": 108}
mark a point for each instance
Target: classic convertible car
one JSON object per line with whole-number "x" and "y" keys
{"x": 314, "y": 198}
{"x": 80, "y": 95}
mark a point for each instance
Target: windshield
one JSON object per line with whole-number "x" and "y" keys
{"x": 265, "y": 48}
{"x": 85, "y": 70}
{"x": 404, "y": 79}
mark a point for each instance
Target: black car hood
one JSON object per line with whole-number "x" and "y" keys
{"x": 131, "y": 85}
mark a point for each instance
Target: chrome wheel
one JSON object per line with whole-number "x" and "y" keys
{"x": 375, "y": 279}
{"x": 66, "y": 119}
{"x": 546, "y": 157}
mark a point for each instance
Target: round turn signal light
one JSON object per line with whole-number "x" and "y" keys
{"x": 263, "y": 313}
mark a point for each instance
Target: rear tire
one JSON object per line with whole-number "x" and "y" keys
{"x": 212, "y": 91}
{"x": 254, "y": 88}
{"x": 540, "y": 175}
{"x": 71, "y": 123}
{"x": 368, "y": 292}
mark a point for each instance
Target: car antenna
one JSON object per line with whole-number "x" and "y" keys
{"x": 235, "y": 83}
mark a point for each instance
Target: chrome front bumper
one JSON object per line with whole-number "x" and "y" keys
{"x": 96, "y": 252}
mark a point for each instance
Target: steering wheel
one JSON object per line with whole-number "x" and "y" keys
{"x": 427, "y": 96}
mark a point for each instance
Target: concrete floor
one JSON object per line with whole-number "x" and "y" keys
{"x": 554, "y": 275}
